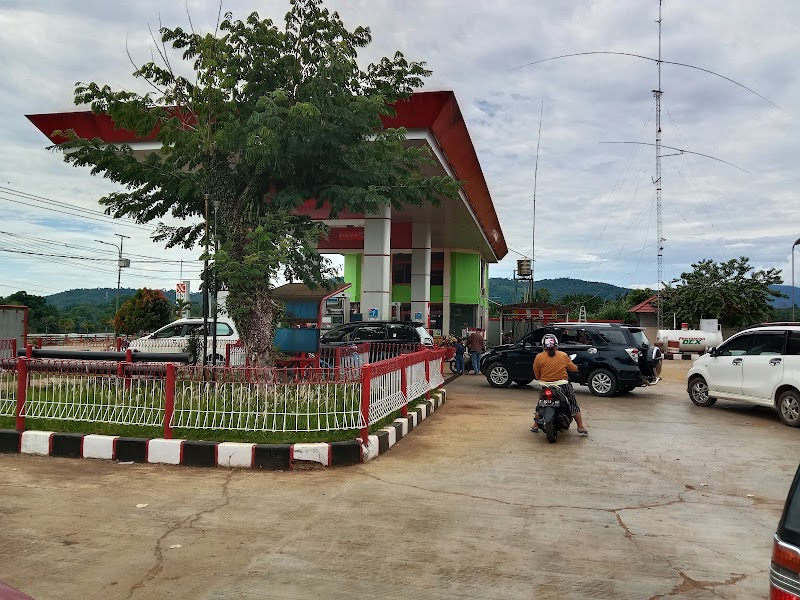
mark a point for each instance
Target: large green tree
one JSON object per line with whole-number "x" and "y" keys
{"x": 729, "y": 291}
{"x": 146, "y": 311}
{"x": 269, "y": 117}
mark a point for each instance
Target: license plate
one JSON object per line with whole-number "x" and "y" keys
{"x": 552, "y": 402}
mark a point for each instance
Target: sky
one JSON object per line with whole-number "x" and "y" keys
{"x": 595, "y": 202}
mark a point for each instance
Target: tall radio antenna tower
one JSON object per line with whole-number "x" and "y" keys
{"x": 659, "y": 219}
{"x": 533, "y": 229}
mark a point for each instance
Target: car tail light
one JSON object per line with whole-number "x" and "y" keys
{"x": 783, "y": 573}
{"x": 633, "y": 353}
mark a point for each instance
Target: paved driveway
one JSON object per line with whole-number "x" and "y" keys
{"x": 663, "y": 500}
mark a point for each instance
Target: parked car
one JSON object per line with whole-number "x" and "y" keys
{"x": 760, "y": 365}
{"x": 611, "y": 358}
{"x": 407, "y": 332}
{"x": 784, "y": 570}
{"x": 177, "y": 336}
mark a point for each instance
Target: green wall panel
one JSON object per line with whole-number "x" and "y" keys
{"x": 465, "y": 278}
{"x": 401, "y": 293}
{"x": 352, "y": 275}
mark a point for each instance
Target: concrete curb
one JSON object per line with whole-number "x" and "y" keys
{"x": 380, "y": 442}
{"x": 276, "y": 457}
{"x": 679, "y": 356}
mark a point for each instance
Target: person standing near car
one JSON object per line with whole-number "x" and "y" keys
{"x": 460, "y": 349}
{"x": 476, "y": 346}
{"x": 554, "y": 365}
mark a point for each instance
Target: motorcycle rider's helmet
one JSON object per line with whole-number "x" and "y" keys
{"x": 549, "y": 341}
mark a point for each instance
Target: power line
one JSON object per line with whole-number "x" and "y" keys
{"x": 72, "y": 214}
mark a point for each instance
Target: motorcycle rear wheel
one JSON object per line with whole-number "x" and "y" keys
{"x": 550, "y": 430}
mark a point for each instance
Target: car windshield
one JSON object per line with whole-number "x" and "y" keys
{"x": 336, "y": 335}
{"x": 639, "y": 336}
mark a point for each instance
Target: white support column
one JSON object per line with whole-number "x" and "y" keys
{"x": 446, "y": 294}
{"x": 420, "y": 272}
{"x": 376, "y": 277}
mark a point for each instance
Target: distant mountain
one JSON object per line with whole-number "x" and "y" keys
{"x": 787, "y": 291}
{"x": 502, "y": 290}
{"x": 65, "y": 301}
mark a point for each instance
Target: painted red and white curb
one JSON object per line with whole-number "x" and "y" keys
{"x": 219, "y": 454}
{"x": 676, "y": 356}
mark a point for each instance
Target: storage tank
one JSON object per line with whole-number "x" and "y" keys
{"x": 677, "y": 341}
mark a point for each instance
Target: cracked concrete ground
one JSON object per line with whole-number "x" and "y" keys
{"x": 663, "y": 500}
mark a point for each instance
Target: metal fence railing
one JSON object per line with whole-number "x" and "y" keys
{"x": 108, "y": 392}
{"x": 8, "y": 386}
{"x": 350, "y": 396}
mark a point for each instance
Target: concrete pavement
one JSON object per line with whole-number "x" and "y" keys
{"x": 663, "y": 499}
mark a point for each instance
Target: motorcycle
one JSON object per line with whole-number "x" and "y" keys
{"x": 553, "y": 410}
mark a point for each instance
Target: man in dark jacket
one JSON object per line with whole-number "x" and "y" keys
{"x": 476, "y": 346}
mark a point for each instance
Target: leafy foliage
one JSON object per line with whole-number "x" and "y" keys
{"x": 728, "y": 291}
{"x": 41, "y": 316}
{"x": 146, "y": 311}
{"x": 270, "y": 118}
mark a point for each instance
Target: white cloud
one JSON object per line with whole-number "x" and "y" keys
{"x": 595, "y": 202}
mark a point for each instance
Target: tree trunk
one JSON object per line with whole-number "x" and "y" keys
{"x": 257, "y": 328}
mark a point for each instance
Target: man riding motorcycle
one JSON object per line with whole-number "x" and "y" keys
{"x": 553, "y": 365}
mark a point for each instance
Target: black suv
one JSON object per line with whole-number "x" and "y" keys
{"x": 400, "y": 332}
{"x": 784, "y": 571}
{"x": 611, "y": 358}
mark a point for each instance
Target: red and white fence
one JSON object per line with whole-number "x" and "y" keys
{"x": 171, "y": 396}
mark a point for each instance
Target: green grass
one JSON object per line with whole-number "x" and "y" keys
{"x": 216, "y": 435}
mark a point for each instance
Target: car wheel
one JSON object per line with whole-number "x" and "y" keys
{"x": 498, "y": 376}
{"x": 698, "y": 392}
{"x": 789, "y": 408}
{"x": 602, "y": 382}
{"x": 522, "y": 381}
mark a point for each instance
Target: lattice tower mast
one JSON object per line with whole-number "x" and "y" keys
{"x": 659, "y": 218}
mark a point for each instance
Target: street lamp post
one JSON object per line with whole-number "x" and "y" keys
{"x": 796, "y": 242}
{"x": 120, "y": 264}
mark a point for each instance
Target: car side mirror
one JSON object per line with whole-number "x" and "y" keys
{"x": 712, "y": 351}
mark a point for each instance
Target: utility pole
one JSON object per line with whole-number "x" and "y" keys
{"x": 121, "y": 263}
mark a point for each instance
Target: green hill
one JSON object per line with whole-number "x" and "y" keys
{"x": 502, "y": 290}
{"x": 68, "y": 300}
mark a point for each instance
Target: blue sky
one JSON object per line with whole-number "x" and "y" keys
{"x": 595, "y": 202}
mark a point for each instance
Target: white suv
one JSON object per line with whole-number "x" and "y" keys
{"x": 175, "y": 338}
{"x": 760, "y": 365}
